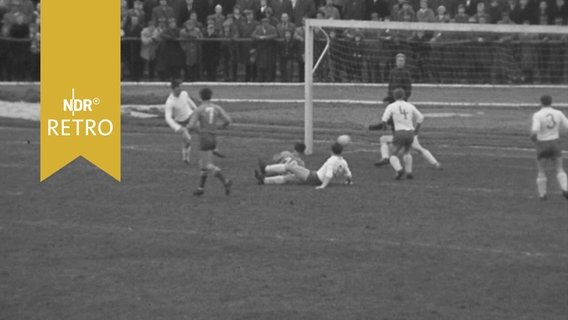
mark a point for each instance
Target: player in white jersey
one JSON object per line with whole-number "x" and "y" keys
{"x": 335, "y": 166}
{"x": 281, "y": 160}
{"x": 178, "y": 110}
{"x": 547, "y": 124}
{"x": 406, "y": 122}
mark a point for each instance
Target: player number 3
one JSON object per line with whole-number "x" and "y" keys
{"x": 551, "y": 122}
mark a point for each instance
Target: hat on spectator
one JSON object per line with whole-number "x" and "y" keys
{"x": 247, "y": 11}
{"x": 400, "y": 55}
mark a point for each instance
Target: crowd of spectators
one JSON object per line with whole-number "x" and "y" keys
{"x": 19, "y": 22}
{"x": 262, "y": 40}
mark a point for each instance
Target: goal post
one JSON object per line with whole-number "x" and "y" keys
{"x": 363, "y": 52}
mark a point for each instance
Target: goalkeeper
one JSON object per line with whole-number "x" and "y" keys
{"x": 282, "y": 159}
{"x": 399, "y": 77}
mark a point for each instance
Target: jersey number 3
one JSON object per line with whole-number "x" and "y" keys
{"x": 551, "y": 122}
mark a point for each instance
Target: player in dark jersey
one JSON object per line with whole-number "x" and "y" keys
{"x": 204, "y": 122}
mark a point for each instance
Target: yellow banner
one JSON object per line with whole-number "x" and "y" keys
{"x": 80, "y": 84}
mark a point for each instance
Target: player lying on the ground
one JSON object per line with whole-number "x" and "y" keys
{"x": 282, "y": 159}
{"x": 177, "y": 113}
{"x": 406, "y": 121}
{"x": 387, "y": 146}
{"x": 547, "y": 124}
{"x": 335, "y": 166}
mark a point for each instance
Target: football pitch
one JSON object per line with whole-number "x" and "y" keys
{"x": 471, "y": 241}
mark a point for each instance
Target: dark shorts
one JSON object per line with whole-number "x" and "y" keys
{"x": 207, "y": 141}
{"x": 184, "y": 123}
{"x": 313, "y": 179}
{"x": 548, "y": 150}
{"x": 403, "y": 139}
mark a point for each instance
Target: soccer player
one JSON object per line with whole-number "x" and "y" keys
{"x": 399, "y": 77}
{"x": 178, "y": 110}
{"x": 387, "y": 146}
{"x": 545, "y": 132}
{"x": 204, "y": 122}
{"x": 406, "y": 121}
{"x": 335, "y": 166}
{"x": 282, "y": 159}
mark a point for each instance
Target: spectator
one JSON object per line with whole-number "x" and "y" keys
{"x": 288, "y": 51}
{"x": 379, "y": 52}
{"x": 170, "y": 57}
{"x": 189, "y": 38}
{"x": 299, "y": 39}
{"x": 272, "y": 20}
{"x": 505, "y": 18}
{"x": 138, "y": 11}
{"x": 558, "y": 55}
{"x": 528, "y": 11}
{"x": 193, "y": 17}
{"x": 354, "y": 10}
{"x": 329, "y": 10}
{"x": 528, "y": 55}
{"x": 260, "y": 10}
{"x": 150, "y": 39}
{"x": 229, "y": 50}
{"x": 237, "y": 18}
{"x": 246, "y": 51}
{"x": 34, "y": 50}
{"x": 559, "y": 9}
{"x": 265, "y": 50}
{"x": 514, "y": 11}
{"x": 284, "y": 26}
{"x": 470, "y": 6}
{"x": 425, "y": 14}
{"x": 184, "y": 11}
{"x": 442, "y": 54}
{"x": 204, "y": 8}
{"x": 281, "y": 6}
{"x": 301, "y": 9}
{"x": 356, "y": 49}
{"x": 163, "y": 11}
{"x": 218, "y": 19}
{"x": 402, "y": 9}
{"x": 20, "y": 49}
{"x": 442, "y": 15}
{"x": 376, "y": 6}
{"x": 494, "y": 11}
{"x": 461, "y": 16}
{"x": 210, "y": 55}
{"x": 544, "y": 13}
{"x": 149, "y": 6}
{"x": 247, "y": 4}
{"x": 421, "y": 52}
{"x": 133, "y": 47}
{"x": 481, "y": 14}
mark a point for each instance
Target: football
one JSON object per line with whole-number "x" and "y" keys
{"x": 344, "y": 139}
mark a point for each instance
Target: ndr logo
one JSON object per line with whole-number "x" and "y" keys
{"x": 79, "y": 105}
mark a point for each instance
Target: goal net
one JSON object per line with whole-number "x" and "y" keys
{"x": 362, "y": 53}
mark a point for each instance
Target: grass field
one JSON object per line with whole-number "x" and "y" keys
{"x": 469, "y": 242}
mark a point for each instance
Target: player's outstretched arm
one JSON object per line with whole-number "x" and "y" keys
{"x": 379, "y": 126}
{"x": 324, "y": 184}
